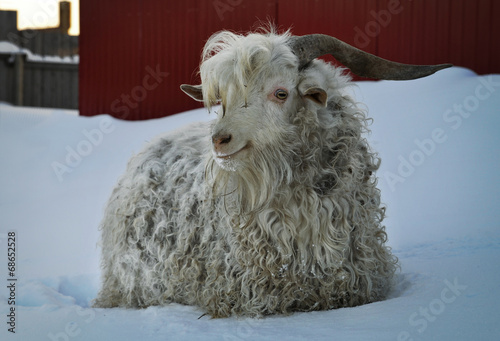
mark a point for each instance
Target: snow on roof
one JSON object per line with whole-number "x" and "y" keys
{"x": 6, "y": 47}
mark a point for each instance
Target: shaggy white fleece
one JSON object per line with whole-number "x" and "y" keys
{"x": 283, "y": 216}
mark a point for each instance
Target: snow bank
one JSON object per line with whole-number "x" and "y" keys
{"x": 438, "y": 139}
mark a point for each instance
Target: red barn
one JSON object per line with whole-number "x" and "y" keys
{"x": 134, "y": 54}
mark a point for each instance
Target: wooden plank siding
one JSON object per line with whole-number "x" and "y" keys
{"x": 121, "y": 42}
{"x": 38, "y": 83}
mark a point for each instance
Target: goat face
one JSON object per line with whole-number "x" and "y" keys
{"x": 261, "y": 117}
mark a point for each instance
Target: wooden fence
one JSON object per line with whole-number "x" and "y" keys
{"x": 38, "y": 67}
{"x": 38, "y": 83}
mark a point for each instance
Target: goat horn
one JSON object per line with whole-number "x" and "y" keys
{"x": 359, "y": 62}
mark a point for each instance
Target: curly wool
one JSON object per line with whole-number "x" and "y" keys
{"x": 299, "y": 230}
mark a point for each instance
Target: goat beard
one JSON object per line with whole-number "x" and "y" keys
{"x": 256, "y": 181}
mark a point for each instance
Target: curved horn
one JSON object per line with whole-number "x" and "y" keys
{"x": 359, "y": 62}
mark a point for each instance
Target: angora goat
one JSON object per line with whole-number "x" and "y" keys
{"x": 270, "y": 208}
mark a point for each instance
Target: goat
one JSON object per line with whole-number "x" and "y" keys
{"x": 270, "y": 208}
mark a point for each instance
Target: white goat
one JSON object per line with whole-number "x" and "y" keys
{"x": 272, "y": 207}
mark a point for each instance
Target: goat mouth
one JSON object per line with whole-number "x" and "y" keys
{"x": 228, "y": 156}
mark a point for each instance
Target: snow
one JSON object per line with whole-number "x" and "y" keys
{"x": 7, "y": 47}
{"x": 439, "y": 143}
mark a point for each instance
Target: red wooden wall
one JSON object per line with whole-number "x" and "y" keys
{"x": 134, "y": 54}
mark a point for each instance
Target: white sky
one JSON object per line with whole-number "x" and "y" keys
{"x": 42, "y": 13}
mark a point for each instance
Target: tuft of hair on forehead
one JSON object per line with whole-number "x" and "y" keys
{"x": 232, "y": 64}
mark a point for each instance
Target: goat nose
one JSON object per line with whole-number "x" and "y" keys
{"x": 219, "y": 140}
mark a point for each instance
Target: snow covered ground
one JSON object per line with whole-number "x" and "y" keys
{"x": 439, "y": 142}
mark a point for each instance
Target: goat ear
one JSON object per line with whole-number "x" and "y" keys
{"x": 193, "y": 91}
{"x": 317, "y": 95}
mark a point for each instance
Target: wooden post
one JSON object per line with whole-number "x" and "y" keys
{"x": 19, "y": 78}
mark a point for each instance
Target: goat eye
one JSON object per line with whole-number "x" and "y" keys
{"x": 281, "y": 94}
